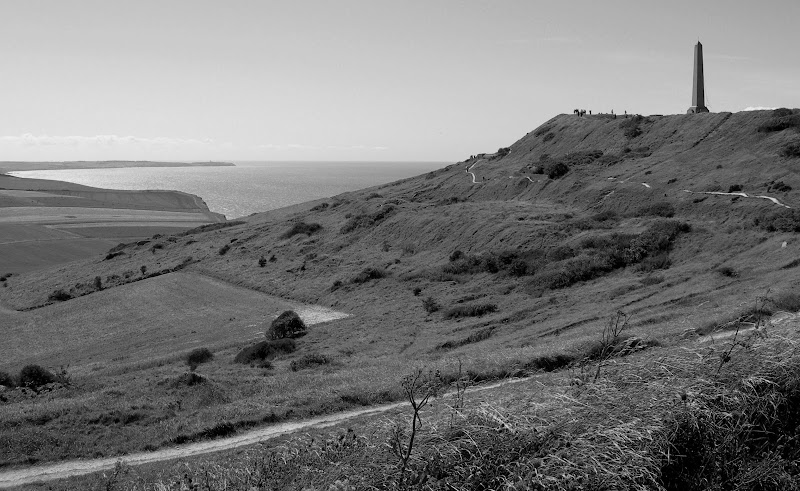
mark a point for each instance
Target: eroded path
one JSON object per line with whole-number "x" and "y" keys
{"x": 63, "y": 470}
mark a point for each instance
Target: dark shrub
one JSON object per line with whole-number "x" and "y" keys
{"x": 6, "y": 380}
{"x": 98, "y": 283}
{"x": 456, "y": 255}
{"x": 560, "y": 253}
{"x": 367, "y": 221}
{"x": 286, "y": 325}
{"x": 262, "y": 261}
{"x": 198, "y": 356}
{"x": 264, "y": 350}
{"x": 430, "y": 305}
{"x": 368, "y": 274}
{"x": 781, "y": 112}
{"x": 548, "y": 137}
{"x": 309, "y": 361}
{"x": 556, "y": 170}
{"x": 319, "y": 207}
{"x": 789, "y": 301}
{"x": 336, "y": 285}
{"x": 60, "y": 295}
{"x": 475, "y": 310}
{"x": 210, "y": 227}
{"x": 735, "y": 188}
{"x": 112, "y": 255}
{"x": 34, "y": 376}
{"x": 781, "y": 187}
{"x": 780, "y": 123}
{"x": 779, "y": 221}
{"x": 302, "y": 228}
{"x": 502, "y": 152}
{"x": 518, "y": 268}
{"x": 791, "y": 150}
{"x": 727, "y": 271}
{"x": 659, "y": 209}
{"x": 549, "y": 363}
{"x": 224, "y": 249}
{"x": 143, "y": 269}
{"x": 416, "y": 291}
{"x": 656, "y": 262}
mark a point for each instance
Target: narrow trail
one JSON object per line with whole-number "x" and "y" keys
{"x": 743, "y": 195}
{"x": 469, "y": 171}
{"x": 63, "y": 470}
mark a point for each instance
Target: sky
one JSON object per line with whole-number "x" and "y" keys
{"x": 373, "y": 80}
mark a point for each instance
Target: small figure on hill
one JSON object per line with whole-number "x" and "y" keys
{"x": 590, "y": 112}
{"x": 286, "y": 325}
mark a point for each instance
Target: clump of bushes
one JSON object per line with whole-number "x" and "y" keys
{"x": 474, "y": 310}
{"x": 368, "y": 274}
{"x": 475, "y": 337}
{"x": 265, "y": 350}
{"x": 35, "y": 376}
{"x": 262, "y": 261}
{"x": 785, "y": 220}
{"x": 734, "y": 188}
{"x": 780, "y": 186}
{"x": 198, "y": 356}
{"x": 791, "y": 150}
{"x": 556, "y": 170}
{"x": 631, "y": 126}
{"x": 319, "y": 207}
{"x": 223, "y": 250}
{"x": 780, "y": 123}
{"x": 302, "y": 228}
{"x": 727, "y": 271}
{"x": 430, "y": 305}
{"x": 367, "y": 220}
{"x": 542, "y": 130}
{"x": 112, "y": 255}
{"x": 6, "y": 380}
{"x": 59, "y": 295}
{"x": 286, "y": 325}
{"x": 310, "y": 360}
{"x": 502, "y": 152}
{"x": 604, "y": 254}
{"x": 660, "y": 209}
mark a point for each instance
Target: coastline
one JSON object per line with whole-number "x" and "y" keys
{"x": 14, "y": 166}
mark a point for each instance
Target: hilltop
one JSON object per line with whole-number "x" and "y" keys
{"x": 505, "y": 264}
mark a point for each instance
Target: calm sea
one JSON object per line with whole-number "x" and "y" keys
{"x": 249, "y": 187}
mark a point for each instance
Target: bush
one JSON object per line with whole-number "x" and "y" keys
{"x": 198, "y": 356}
{"x": 780, "y": 123}
{"x": 475, "y": 310}
{"x": 503, "y": 151}
{"x": 548, "y": 137}
{"x": 112, "y": 255}
{"x": 416, "y": 291}
{"x": 262, "y": 261}
{"x": 653, "y": 263}
{"x": 779, "y": 221}
{"x": 659, "y": 209}
{"x": 456, "y": 255}
{"x": 336, "y": 285}
{"x": 286, "y": 325}
{"x": 224, "y": 249}
{"x": 367, "y": 221}
{"x": 319, "y": 207}
{"x": 35, "y": 376}
{"x": 788, "y": 301}
{"x": 98, "y": 283}
{"x": 781, "y": 187}
{"x": 430, "y": 305}
{"x": 727, "y": 271}
{"x": 6, "y": 380}
{"x": 59, "y": 295}
{"x": 309, "y": 361}
{"x": 368, "y": 274}
{"x": 781, "y": 112}
{"x": 556, "y": 170}
{"x": 791, "y": 150}
{"x": 302, "y": 228}
{"x": 265, "y": 350}
{"x": 735, "y": 188}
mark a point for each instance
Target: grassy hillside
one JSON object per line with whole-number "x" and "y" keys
{"x": 507, "y": 263}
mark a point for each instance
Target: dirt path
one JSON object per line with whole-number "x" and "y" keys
{"x": 62, "y": 470}
{"x": 743, "y": 195}
{"x": 469, "y": 171}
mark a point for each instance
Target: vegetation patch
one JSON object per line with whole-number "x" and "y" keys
{"x": 785, "y": 220}
{"x": 780, "y": 123}
{"x": 302, "y": 228}
{"x": 265, "y": 350}
{"x": 791, "y": 150}
{"x": 474, "y": 310}
{"x": 286, "y": 325}
{"x": 632, "y": 126}
{"x": 310, "y": 360}
{"x": 475, "y": 337}
{"x": 368, "y": 274}
{"x": 363, "y": 220}
{"x": 198, "y": 356}
{"x": 663, "y": 209}
{"x": 210, "y": 227}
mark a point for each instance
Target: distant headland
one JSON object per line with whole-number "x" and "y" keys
{"x": 9, "y": 166}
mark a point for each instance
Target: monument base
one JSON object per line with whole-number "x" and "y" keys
{"x": 697, "y": 109}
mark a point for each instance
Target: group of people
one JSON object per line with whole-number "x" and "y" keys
{"x": 582, "y": 112}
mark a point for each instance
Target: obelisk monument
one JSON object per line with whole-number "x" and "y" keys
{"x": 698, "y": 89}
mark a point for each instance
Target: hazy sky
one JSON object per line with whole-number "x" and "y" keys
{"x": 368, "y": 79}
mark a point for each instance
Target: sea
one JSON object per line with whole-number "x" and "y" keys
{"x": 248, "y": 187}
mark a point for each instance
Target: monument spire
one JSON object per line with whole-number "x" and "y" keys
{"x": 698, "y": 87}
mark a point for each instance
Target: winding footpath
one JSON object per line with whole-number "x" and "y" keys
{"x": 72, "y": 468}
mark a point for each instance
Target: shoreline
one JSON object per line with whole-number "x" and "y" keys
{"x": 22, "y": 166}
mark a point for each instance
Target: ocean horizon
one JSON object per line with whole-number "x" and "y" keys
{"x": 249, "y": 186}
